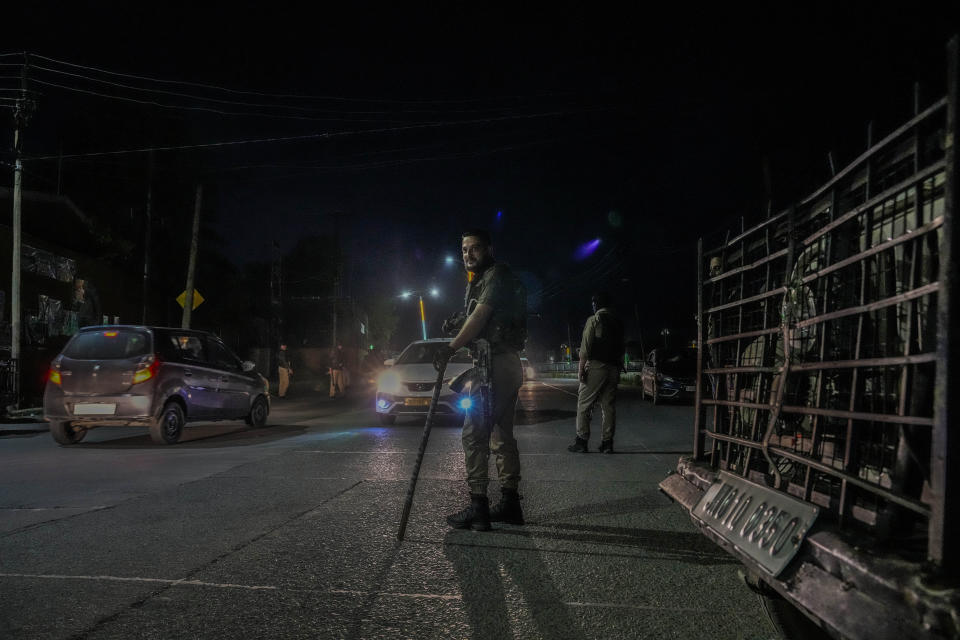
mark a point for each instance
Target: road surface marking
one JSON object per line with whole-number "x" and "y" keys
{"x": 341, "y": 592}
{"x": 193, "y": 583}
{"x": 569, "y": 393}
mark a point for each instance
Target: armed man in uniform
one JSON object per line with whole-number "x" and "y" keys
{"x": 601, "y": 358}
{"x": 495, "y": 310}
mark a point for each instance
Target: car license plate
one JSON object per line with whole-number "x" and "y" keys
{"x": 94, "y": 409}
{"x": 766, "y": 525}
{"x": 690, "y": 389}
{"x": 416, "y": 402}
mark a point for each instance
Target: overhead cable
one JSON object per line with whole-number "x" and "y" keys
{"x": 311, "y": 136}
{"x": 206, "y": 109}
{"x": 283, "y": 95}
{"x": 274, "y": 105}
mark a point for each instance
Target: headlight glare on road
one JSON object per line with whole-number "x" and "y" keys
{"x": 389, "y": 382}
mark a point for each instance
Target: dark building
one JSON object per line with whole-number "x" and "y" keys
{"x": 66, "y": 283}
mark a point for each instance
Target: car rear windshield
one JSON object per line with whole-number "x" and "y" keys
{"x": 681, "y": 362}
{"x": 108, "y": 344}
{"x": 422, "y": 352}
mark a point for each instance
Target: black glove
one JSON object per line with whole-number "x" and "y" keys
{"x": 451, "y": 326}
{"x": 440, "y": 358}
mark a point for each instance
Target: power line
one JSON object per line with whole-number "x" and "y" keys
{"x": 281, "y": 95}
{"x": 196, "y": 108}
{"x": 312, "y": 136}
{"x": 193, "y": 96}
{"x": 402, "y": 161}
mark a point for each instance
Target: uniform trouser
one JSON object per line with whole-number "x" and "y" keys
{"x": 601, "y": 385}
{"x": 284, "y": 374}
{"x": 337, "y": 387}
{"x": 480, "y": 440}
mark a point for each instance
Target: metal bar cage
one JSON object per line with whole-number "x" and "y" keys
{"x": 818, "y": 330}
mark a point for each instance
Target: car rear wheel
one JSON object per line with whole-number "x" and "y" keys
{"x": 64, "y": 432}
{"x": 258, "y": 413}
{"x": 386, "y": 419}
{"x": 168, "y": 428}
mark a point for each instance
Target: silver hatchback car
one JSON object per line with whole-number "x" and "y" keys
{"x": 156, "y": 377}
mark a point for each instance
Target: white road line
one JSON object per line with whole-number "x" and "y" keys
{"x": 193, "y": 583}
{"x": 569, "y": 393}
{"x": 425, "y": 596}
{"x": 639, "y": 607}
{"x": 341, "y": 592}
{"x": 93, "y": 508}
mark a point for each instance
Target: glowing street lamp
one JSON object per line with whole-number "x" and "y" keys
{"x": 423, "y": 318}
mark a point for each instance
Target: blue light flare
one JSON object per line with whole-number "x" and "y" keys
{"x": 585, "y": 250}
{"x": 465, "y": 403}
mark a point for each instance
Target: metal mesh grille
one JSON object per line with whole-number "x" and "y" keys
{"x": 819, "y": 329}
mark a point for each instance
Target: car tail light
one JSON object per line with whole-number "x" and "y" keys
{"x": 146, "y": 370}
{"x": 54, "y": 376}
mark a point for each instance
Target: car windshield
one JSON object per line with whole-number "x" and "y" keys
{"x": 423, "y": 352}
{"x": 108, "y": 344}
{"x": 678, "y": 362}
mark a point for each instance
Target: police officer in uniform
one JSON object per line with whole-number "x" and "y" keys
{"x": 495, "y": 310}
{"x": 601, "y": 358}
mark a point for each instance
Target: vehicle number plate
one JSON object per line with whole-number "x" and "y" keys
{"x": 94, "y": 409}
{"x": 691, "y": 389}
{"x": 416, "y": 402}
{"x": 765, "y": 524}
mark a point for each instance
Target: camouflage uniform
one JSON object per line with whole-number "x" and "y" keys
{"x": 497, "y": 287}
{"x": 603, "y": 345}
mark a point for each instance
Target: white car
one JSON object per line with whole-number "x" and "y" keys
{"x": 529, "y": 373}
{"x": 406, "y": 387}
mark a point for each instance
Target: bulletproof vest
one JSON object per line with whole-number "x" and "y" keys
{"x": 608, "y": 345}
{"x": 507, "y": 327}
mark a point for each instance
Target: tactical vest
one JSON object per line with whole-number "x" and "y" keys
{"x": 506, "y": 330}
{"x": 608, "y": 345}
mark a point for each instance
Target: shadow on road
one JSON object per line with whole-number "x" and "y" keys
{"x": 203, "y": 436}
{"x": 541, "y": 415}
{"x": 692, "y": 548}
{"x": 683, "y": 546}
{"x": 483, "y": 570}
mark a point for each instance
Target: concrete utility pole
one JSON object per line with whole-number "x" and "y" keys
{"x": 336, "y": 274}
{"x": 146, "y": 239}
{"x": 192, "y": 267}
{"x": 21, "y": 115}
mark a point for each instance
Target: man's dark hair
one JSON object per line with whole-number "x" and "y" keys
{"x": 601, "y": 299}
{"x": 478, "y": 233}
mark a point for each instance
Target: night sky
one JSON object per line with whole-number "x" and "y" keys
{"x": 552, "y": 125}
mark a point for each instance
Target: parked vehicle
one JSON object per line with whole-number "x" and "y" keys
{"x": 529, "y": 373}
{"x": 669, "y": 374}
{"x": 155, "y": 377}
{"x": 405, "y": 388}
{"x": 826, "y": 455}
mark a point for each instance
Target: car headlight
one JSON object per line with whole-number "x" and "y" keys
{"x": 668, "y": 379}
{"x": 389, "y": 382}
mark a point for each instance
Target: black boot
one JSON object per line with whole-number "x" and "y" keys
{"x": 606, "y": 446}
{"x": 508, "y": 510}
{"x": 476, "y": 516}
{"x": 579, "y": 446}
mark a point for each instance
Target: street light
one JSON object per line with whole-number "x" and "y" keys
{"x": 423, "y": 318}
{"x": 666, "y": 336}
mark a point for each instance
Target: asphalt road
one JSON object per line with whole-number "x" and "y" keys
{"x": 290, "y": 532}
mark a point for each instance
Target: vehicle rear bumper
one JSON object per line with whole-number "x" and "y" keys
{"x": 850, "y": 592}
{"x": 128, "y": 409}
